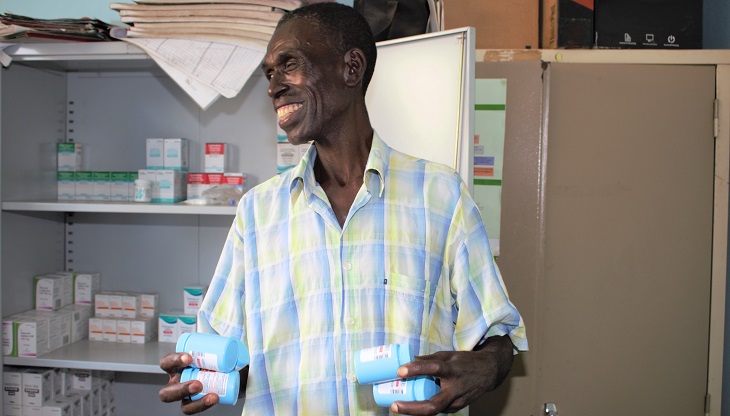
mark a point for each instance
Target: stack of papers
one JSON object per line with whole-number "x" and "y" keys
{"x": 209, "y": 48}
{"x": 229, "y": 20}
{"x": 13, "y": 27}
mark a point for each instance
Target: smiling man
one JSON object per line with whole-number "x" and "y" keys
{"x": 356, "y": 246}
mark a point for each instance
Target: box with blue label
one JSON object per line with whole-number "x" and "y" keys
{"x": 175, "y": 154}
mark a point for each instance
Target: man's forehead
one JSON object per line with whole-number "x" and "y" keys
{"x": 296, "y": 35}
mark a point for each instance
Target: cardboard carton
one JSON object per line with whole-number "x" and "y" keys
{"x": 500, "y": 24}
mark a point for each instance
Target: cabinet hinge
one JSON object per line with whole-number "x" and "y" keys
{"x": 716, "y": 118}
{"x": 707, "y": 404}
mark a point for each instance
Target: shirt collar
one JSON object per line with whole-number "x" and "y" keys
{"x": 376, "y": 167}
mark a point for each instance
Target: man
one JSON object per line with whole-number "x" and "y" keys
{"x": 357, "y": 246}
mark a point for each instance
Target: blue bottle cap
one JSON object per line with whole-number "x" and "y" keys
{"x": 424, "y": 388}
{"x": 232, "y": 389}
{"x": 180, "y": 345}
{"x": 243, "y": 356}
{"x": 404, "y": 353}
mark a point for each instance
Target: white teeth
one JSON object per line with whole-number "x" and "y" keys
{"x": 283, "y": 112}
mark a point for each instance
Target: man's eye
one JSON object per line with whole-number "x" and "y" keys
{"x": 290, "y": 65}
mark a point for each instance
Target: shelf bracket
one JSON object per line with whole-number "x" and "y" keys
{"x": 68, "y": 243}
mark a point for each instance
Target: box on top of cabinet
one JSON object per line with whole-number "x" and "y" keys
{"x": 567, "y": 24}
{"x": 648, "y": 24}
{"x": 500, "y": 24}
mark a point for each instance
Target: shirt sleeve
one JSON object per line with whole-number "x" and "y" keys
{"x": 482, "y": 307}
{"x": 222, "y": 310}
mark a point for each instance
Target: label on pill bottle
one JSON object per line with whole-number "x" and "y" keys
{"x": 205, "y": 360}
{"x": 213, "y": 382}
{"x": 376, "y": 353}
{"x": 398, "y": 387}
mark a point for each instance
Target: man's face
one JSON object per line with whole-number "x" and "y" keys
{"x": 306, "y": 81}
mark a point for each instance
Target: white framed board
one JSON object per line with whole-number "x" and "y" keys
{"x": 421, "y": 98}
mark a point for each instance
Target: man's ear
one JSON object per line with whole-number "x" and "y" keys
{"x": 355, "y": 65}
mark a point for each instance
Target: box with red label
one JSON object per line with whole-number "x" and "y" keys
{"x": 236, "y": 179}
{"x": 215, "y": 179}
{"x": 216, "y": 155}
{"x": 168, "y": 330}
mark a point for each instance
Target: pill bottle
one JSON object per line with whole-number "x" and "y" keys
{"x": 142, "y": 190}
{"x": 408, "y": 390}
{"x": 213, "y": 352}
{"x": 379, "y": 364}
{"x": 225, "y": 385}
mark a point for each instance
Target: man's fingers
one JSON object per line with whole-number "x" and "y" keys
{"x": 191, "y": 407}
{"x": 175, "y": 391}
{"x": 435, "y": 368}
{"x": 434, "y": 405}
{"x": 171, "y": 363}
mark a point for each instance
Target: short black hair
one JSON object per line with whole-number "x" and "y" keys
{"x": 346, "y": 27}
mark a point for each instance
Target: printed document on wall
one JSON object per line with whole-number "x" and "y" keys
{"x": 489, "y": 130}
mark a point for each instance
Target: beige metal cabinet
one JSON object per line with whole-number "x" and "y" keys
{"x": 614, "y": 231}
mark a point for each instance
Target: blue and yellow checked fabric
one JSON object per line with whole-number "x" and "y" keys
{"x": 411, "y": 264}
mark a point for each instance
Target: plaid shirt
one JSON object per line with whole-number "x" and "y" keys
{"x": 411, "y": 264}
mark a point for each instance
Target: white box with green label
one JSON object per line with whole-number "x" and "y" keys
{"x": 66, "y": 185}
{"x": 69, "y": 157}
{"x": 193, "y": 298}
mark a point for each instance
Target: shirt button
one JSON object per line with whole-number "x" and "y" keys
{"x": 347, "y": 265}
{"x": 350, "y": 321}
{"x": 353, "y": 378}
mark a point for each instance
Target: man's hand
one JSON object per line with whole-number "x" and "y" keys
{"x": 464, "y": 376}
{"x": 173, "y": 365}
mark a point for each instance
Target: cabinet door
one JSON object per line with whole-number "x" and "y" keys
{"x": 624, "y": 299}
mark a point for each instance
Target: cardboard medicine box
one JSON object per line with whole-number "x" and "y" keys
{"x": 53, "y": 291}
{"x": 96, "y": 329}
{"x": 84, "y": 186}
{"x": 79, "y": 318}
{"x": 168, "y": 328}
{"x": 193, "y": 298}
{"x": 171, "y": 186}
{"x": 155, "y": 152}
{"x": 86, "y": 286}
{"x": 69, "y": 157}
{"x": 12, "y": 386}
{"x": 101, "y": 186}
{"x": 175, "y": 154}
{"x": 142, "y": 330}
{"x": 648, "y": 24}
{"x": 119, "y": 186}
{"x": 216, "y": 155}
{"x": 66, "y": 184}
{"x": 149, "y": 302}
{"x": 37, "y": 386}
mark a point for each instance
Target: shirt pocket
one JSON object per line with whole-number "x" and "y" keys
{"x": 405, "y": 304}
